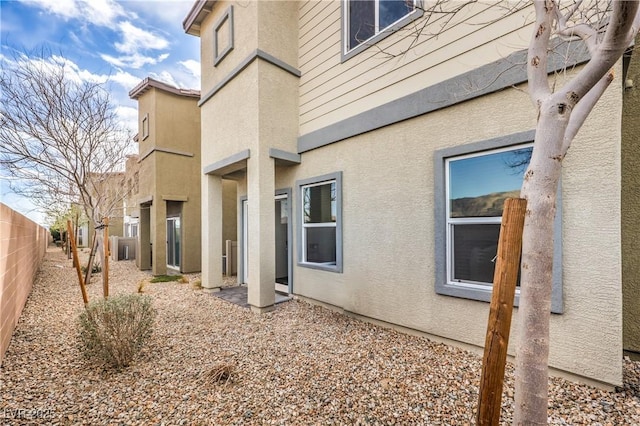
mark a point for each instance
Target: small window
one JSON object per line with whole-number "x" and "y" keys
{"x": 472, "y": 182}
{"x": 368, "y": 21}
{"x": 320, "y": 230}
{"x": 145, "y": 127}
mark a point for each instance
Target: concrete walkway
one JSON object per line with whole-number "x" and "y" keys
{"x": 238, "y": 295}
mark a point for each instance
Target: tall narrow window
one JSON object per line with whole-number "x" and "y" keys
{"x": 364, "y": 19}
{"x": 321, "y": 229}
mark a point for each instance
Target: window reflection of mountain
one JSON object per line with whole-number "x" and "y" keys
{"x": 489, "y": 205}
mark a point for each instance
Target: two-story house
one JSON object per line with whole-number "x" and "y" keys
{"x": 373, "y": 146}
{"x": 168, "y": 184}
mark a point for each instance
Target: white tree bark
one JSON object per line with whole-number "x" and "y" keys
{"x": 560, "y": 116}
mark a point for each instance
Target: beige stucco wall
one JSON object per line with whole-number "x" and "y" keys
{"x": 631, "y": 207}
{"x": 174, "y": 125}
{"x": 388, "y": 177}
{"x": 388, "y": 240}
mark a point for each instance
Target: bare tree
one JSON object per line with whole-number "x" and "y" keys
{"x": 607, "y": 28}
{"x": 607, "y": 33}
{"x": 60, "y": 139}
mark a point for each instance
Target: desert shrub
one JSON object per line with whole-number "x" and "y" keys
{"x": 94, "y": 269}
{"x": 115, "y": 330}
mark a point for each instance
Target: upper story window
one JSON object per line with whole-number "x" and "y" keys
{"x": 367, "y": 21}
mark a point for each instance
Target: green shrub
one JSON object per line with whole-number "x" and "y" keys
{"x": 115, "y": 330}
{"x": 165, "y": 278}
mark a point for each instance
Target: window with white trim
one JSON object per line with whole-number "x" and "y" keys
{"x": 320, "y": 220}
{"x": 471, "y": 183}
{"x": 366, "y": 19}
{"x": 477, "y": 185}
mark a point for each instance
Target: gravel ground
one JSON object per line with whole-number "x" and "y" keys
{"x": 298, "y": 365}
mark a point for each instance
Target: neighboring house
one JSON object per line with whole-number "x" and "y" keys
{"x": 372, "y": 163}
{"x": 168, "y": 188}
{"x": 108, "y": 192}
{"x": 131, "y": 208}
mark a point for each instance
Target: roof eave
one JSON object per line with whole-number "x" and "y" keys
{"x": 199, "y": 10}
{"x": 148, "y": 83}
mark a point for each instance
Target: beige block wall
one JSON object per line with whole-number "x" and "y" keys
{"x": 23, "y": 244}
{"x": 631, "y": 207}
{"x": 388, "y": 240}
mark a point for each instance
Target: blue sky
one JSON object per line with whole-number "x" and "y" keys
{"x": 485, "y": 174}
{"x": 121, "y": 42}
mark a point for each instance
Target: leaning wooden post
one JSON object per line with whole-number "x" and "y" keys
{"x": 105, "y": 264}
{"x": 504, "y": 287}
{"x": 74, "y": 250}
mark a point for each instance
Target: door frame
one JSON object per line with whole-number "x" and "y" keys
{"x": 179, "y": 257}
{"x": 282, "y": 194}
{"x": 243, "y": 270}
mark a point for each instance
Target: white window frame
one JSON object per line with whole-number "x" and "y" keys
{"x": 379, "y": 33}
{"x": 302, "y": 226}
{"x": 444, "y": 285}
{"x": 451, "y": 222}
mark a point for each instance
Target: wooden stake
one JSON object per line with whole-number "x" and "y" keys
{"x": 504, "y": 287}
{"x": 74, "y": 250}
{"x": 105, "y": 264}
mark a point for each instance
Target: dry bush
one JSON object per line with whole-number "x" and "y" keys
{"x": 221, "y": 373}
{"x": 115, "y": 330}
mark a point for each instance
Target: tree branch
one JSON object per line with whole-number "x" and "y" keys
{"x": 538, "y": 54}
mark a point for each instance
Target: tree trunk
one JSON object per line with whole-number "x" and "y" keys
{"x": 540, "y": 189}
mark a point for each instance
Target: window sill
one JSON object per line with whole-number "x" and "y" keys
{"x": 321, "y": 266}
{"x": 480, "y": 293}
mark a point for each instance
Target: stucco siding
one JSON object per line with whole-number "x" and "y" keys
{"x": 631, "y": 206}
{"x": 388, "y": 240}
{"x": 278, "y": 30}
{"x": 245, "y": 41}
{"x": 331, "y": 90}
{"x": 230, "y": 119}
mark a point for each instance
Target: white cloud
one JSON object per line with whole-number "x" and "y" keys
{"x": 126, "y": 80}
{"x": 135, "y": 39}
{"x": 171, "y": 12}
{"x": 135, "y": 61}
{"x": 128, "y": 117}
{"x": 97, "y": 12}
{"x": 135, "y": 45}
{"x": 192, "y": 67}
{"x": 165, "y": 77}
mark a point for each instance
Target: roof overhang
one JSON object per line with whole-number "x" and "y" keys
{"x": 197, "y": 14}
{"x": 148, "y": 83}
